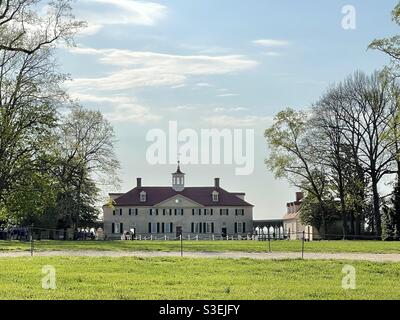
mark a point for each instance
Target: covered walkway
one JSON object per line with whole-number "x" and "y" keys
{"x": 272, "y": 229}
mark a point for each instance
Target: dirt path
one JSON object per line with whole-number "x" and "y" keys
{"x": 228, "y": 255}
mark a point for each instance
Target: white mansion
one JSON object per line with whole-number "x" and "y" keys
{"x": 178, "y": 210}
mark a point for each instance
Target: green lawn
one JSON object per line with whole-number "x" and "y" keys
{"x": 183, "y": 278}
{"x": 213, "y": 246}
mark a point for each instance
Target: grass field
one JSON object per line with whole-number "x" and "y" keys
{"x": 211, "y": 246}
{"x": 175, "y": 278}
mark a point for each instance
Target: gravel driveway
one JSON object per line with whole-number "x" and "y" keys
{"x": 375, "y": 257}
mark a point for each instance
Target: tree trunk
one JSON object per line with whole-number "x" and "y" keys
{"x": 344, "y": 218}
{"x": 376, "y": 208}
{"x": 358, "y": 227}
{"x": 352, "y": 227}
{"x": 397, "y": 204}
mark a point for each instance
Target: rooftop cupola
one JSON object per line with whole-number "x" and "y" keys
{"x": 178, "y": 179}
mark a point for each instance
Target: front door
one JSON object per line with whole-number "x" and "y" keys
{"x": 224, "y": 232}
{"x": 178, "y": 232}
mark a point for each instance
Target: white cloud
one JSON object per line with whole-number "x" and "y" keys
{"x": 182, "y": 85}
{"x": 123, "y": 108}
{"x": 271, "y": 43}
{"x": 183, "y": 108}
{"x": 231, "y": 121}
{"x": 99, "y": 13}
{"x": 228, "y": 95}
{"x": 232, "y": 109}
{"x": 131, "y": 113}
{"x": 143, "y": 69}
{"x": 203, "y": 84}
{"x": 204, "y": 49}
{"x": 272, "y": 54}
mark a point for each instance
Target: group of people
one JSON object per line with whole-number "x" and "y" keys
{"x": 14, "y": 233}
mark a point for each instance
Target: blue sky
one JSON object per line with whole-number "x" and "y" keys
{"x": 224, "y": 64}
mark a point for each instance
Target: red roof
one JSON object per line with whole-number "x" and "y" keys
{"x": 201, "y": 195}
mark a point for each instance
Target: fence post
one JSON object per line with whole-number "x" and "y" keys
{"x": 302, "y": 245}
{"x": 181, "y": 245}
{"x": 32, "y": 244}
{"x": 269, "y": 242}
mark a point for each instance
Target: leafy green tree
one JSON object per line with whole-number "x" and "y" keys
{"x": 292, "y": 156}
{"x": 30, "y": 89}
{"x": 312, "y": 211}
{"x": 390, "y": 46}
{"x": 27, "y": 204}
{"x": 84, "y": 160}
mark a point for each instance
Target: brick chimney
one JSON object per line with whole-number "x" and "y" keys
{"x": 216, "y": 182}
{"x": 138, "y": 182}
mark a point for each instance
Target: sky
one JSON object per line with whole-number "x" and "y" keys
{"x": 225, "y": 64}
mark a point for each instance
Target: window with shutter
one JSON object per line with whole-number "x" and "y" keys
{"x": 113, "y": 228}
{"x": 120, "y": 212}
{"x": 121, "y": 228}
{"x": 192, "y": 227}
{"x": 236, "y": 227}
{"x": 149, "y": 227}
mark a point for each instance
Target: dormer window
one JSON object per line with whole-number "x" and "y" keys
{"x": 143, "y": 196}
{"x": 215, "y": 196}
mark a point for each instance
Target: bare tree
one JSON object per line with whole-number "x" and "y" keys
{"x": 29, "y": 25}
{"x": 353, "y": 118}
{"x": 338, "y": 151}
